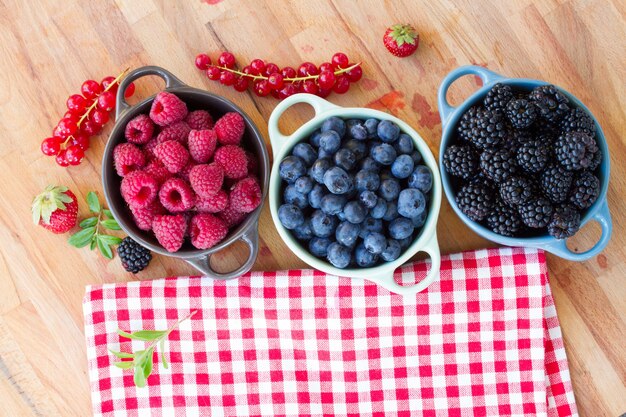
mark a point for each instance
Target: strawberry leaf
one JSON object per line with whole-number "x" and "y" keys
{"x": 82, "y": 238}
{"x": 110, "y": 224}
{"x": 88, "y": 222}
{"x": 93, "y": 244}
{"x": 147, "y": 366}
{"x": 143, "y": 335}
{"x": 122, "y": 355}
{"x": 124, "y": 365}
{"x": 111, "y": 240}
{"x": 104, "y": 248}
{"x": 108, "y": 213}
{"x": 92, "y": 201}
{"x": 139, "y": 377}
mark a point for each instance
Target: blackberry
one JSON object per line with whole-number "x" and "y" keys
{"x": 565, "y": 222}
{"x": 504, "y": 220}
{"x": 576, "y": 150}
{"x": 555, "y": 182}
{"x": 134, "y": 257}
{"x": 522, "y": 135}
{"x": 468, "y": 123}
{"x": 461, "y": 161}
{"x": 497, "y": 164}
{"x": 521, "y": 113}
{"x": 544, "y": 127}
{"x": 596, "y": 161}
{"x": 536, "y": 212}
{"x": 516, "y": 190}
{"x": 490, "y": 130}
{"x": 476, "y": 200}
{"x": 577, "y": 120}
{"x": 585, "y": 190}
{"x": 533, "y": 156}
{"x": 552, "y": 104}
{"x": 498, "y": 97}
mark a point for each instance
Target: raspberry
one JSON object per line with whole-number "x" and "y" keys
{"x": 139, "y": 130}
{"x": 206, "y": 180}
{"x": 184, "y": 173}
{"x": 144, "y": 216}
{"x": 170, "y": 231}
{"x": 199, "y": 120}
{"x": 231, "y": 216}
{"x": 127, "y": 157}
{"x": 173, "y": 155}
{"x": 148, "y": 148}
{"x": 229, "y": 128}
{"x": 177, "y": 131}
{"x": 167, "y": 109}
{"x": 207, "y": 230}
{"x": 233, "y": 160}
{"x": 176, "y": 195}
{"x": 253, "y": 163}
{"x": 246, "y": 195}
{"x": 158, "y": 171}
{"x": 202, "y": 145}
{"x": 139, "y": 189}
{"x": 213, "y": 204}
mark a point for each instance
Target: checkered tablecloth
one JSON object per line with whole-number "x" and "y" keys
{"x": 484, "y": 340}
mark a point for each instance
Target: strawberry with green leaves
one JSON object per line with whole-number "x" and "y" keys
{"x": 55, "y": 209}
{"x": 401, "y": 40}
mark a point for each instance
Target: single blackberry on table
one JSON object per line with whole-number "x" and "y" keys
{"x": 577, "y": 120}
{"x": 516, "y": 190}
{"x": 575, "y": 150}
{"x": 533, "y": 156}
{"x": 585, "y": 190}
{"x": 565, "y": 222}
{"x": 521, "y": 113}
{"x": 552, "y": 104}
{"x": 555, "y": 182}
{"x": 134, "y": 257}
{"x": 504, "y": 220}
{"x": 498, "y": 164}
{"x": 461, "y": 161}
{"x": 536, "y": 212}
{"x": 490, "y": 130}
{"x": 468, "y": 123}
{"x": 498, "y": 97}
{"x": 476, "y": 200}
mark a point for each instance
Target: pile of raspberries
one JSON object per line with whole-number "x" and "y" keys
{"x": 184, "y": 175}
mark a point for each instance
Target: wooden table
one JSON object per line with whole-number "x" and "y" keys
{"x": 49, "y": 48}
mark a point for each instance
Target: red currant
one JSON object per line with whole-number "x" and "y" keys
{"x": 354, "y": 74}
{"x": 307, "y": 68}
{"x": 227, "y": 60}
{"x": 341, "y": 85}
{"x": 262, "y": 88}
{"x": 227, "y": 78}
{"x": 248, "y": 70}
{"x": 274, "y": 94}
{"x": 106, "y": 81}
{"x": 288, "y": 72}
{"x": 326, "y": 66}
{"x": 51, "y": 146}
{"x": 90, "y": 89}
{"x": 67, "y": 127}
{"x": 340, "y": 60}
{"x": 70, "y": 115}
{"x": 76, "y": 103}
{"x": 309, "y": 86}
{"x": 241, "y": 84}
{"x": 326, "y": 79}
{"x": 213, "y": 73}
{"x": 202, "y": 61}
{"x": 324, "y": 92}
{"x": 106, "y": 101}
{"x": 61, "y": 158}
{"x": 270, "y": 68}
{"x": 74, "y": 155}
{"x": 258, "y": 65}
{"x": 275, "y": 81}
{"x": 130, "y": 90}
{"x": 99, "y": 117}
{"x": 81, "y": 140}
{"x": 286, "y": 91}
{"x": 90, "y": 128}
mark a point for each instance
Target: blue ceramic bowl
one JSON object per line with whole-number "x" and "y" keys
{"x": 450, "y": 116}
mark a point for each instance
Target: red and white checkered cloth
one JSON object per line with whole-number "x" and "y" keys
{"x": 482, "y": 341}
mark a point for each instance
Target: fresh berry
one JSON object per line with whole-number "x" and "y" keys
{"x": 76, "y": 103}
{"x": 133, "y": 256}
{"x": 206, "y": 230}
{"x": 233, "y": 160}
{"x": 411, "y": 203}
{"x": 354, "y": 74}
{"x": 533, "y": 156}
{"x": 335, "y": 124}
{"x": 157, "y": 170}
{"x": 330, "y": 141}
{"x": 90, "y": 89}
{"x": 167, "y": 109}
{"x": 338, "y": 181}
{"x": 355, "y": 212}
{"x": 516, "y": 190}
{"x": 206, "y": 180}
{"x": 345, "y": 158}
{"x": 475, "y": 200}
{"x": 576, "y": 150}
{"x": 127, "y": 158}
{"x": 490, "y": 130}
{"x": 74, "y": 155}
{"x": 521, "y": 113}
{"x": 170, "y": 231}
{"x": 227, "y": 78}
{"x": 339, "y": 60}
{"x": 226, "y": 59}
{"x": 318, "y": 169}
{"x": 347, "y": 233}
{"x": 421, "y": 178}
{"x": 65, "y": 128}
{"x": 144, "y": 216}
{"x": 199, "y": 120}
{"x": 388, "y": 131}
{"x": 536, "y": 212}
{"x": 504, "y": 220}
{"x": 375, "y": 242}
{"x": 55, "y": 209}
{"x": 401, "y": 40}
{"x": 246, "y": 195}
{"x": 338, "y": 255}
{"x": 401, "y": 228}
{"x": 176, "y": 195}
{"x": 461, "y": 161}
{"x": 468, "y": 125}
{"x": 342, "y": 84}
{"x": 172, "y": 154}
{"x": 139, "y": 130}
{"x": 231, "y": 216}
{"x": 404, "y": 144}
{"x": 213, "y": 73}
{"x": 555, "y": 182}
{"x": 585, "y": 190}
{"x": 305, "y": 152}
{"x": 139, "y": 189}
{"x": 565, "y": 222}
{"x": 106, "y": 101}
{"x": 230, "y": 128}
{"x": 202, "y": 144}
{"x": 577, "y": 120}
{"x": 318, "y": 246}
{"x": 60, "y": 159}
{"x": 202, "y": 61}
{"x": 214, "y": 204}
{"x": 178, "y": 131}
{"x": 100, "y": 117}
{"x": 291, "y": 216}
{"x": 323, "y": 225}
{"x": 552, "y": 104}
{"x": 498, "y": 97}
{"x": 51, "y": 146}
{"x": 384, "y": 154}
{"x": 392, "y": 251}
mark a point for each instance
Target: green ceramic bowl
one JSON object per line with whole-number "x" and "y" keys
{"x": 382, "y": 274}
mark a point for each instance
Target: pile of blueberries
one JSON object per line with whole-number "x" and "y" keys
{"x": 355, "y": 192}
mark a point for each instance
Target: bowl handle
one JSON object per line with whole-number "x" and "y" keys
{"x": 203, "y": 262}
{"x": 445, "y": 109}
{"x": 170, "y": 81}
{"x": 559, "y": 248}
{"x": 277, "y": 139}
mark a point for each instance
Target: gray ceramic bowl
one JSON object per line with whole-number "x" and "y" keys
{"x": 195, "y": 99}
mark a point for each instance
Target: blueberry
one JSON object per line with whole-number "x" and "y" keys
{"x": 404, "y": 144}
{"x": 421, "y": 178}
{"x": 379, "y": 210}
{"x": 411, "y": 203}
{"x": 318, "y": 246}
{"x": 418, "y": 221}
{"x": 319, "y": 168}
{"x": 338, "y": 255}
{"x": 368, "y": 198}
{"x": 392, "y": 251}
{"x": 333, "y": 203}
{"x": 389, "y": 189}
{"x": 292, "y": 196}
{"x": 290, "y": 216}
{"x": 392, "y": 211}
{"x": 388, "y": 131}
{"x": 315, "y": 196}
{"x": 347, "y": 234}
{"x": 357, "y": 130}
{"x": 355, "y": 212}
{"x": 363, "y": 257}
{"x": 305, "y": 152}
{"x": 304, "y": 231}
{"x": 335, "y": 124}
{"x": 400, "y": 228}
{"x": 406, "y": 242}
{"x": 338, "y": 181}
{"x": 416, "y": 157}
{"x": 370, "y": 225}
{"x": 384, "y": 154}
{"x": 314, "y": 139}
{"x": 340, "y": 216}
{"x": 359, "y": 148}
{"x": 323, "y": 153}
{"x": 330, "y": 141}
{"x": 402, "y": 166}
{"x": 304, "y": 184}
{"x": 323, "y": 225}
{"x": 369, "y": 164}
{"x": 345, "y": 158}
{"x": 366, "y": 180}
{"x": 371, "y": 125}
{"x": 291, "y": 168}
{"x": 375, "y": 242}
{"x": 372, "y": 143}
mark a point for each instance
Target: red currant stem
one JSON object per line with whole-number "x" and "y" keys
{"x": 262, "y": 77}
{"x": 241, "y": 74}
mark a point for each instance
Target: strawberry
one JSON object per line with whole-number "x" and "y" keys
{"x": 55, "y": 209}
{"x": 401, "y": 40}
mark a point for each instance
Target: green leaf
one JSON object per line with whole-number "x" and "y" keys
{"x": 124, "y": 365}
{"x": 139, "y": 377}
{"x": 110, "y": 240}
{"x": 104, "y": 248}
{"x": 162, "y": 350}
{"x": 110, "y": 224}
{"x": 108, "y": 213}
{"x": 147, "y": 366}
{"x": 82, "y": 238}
{"x": 93, "y": 202}
{"x": 122, "y": 355}
{"x": 88, "y": 222}
{"x": 93, "y": 244}
{"x": 143, "y": 335}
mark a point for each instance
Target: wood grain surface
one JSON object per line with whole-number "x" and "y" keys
{"x": 49, "y": 48}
